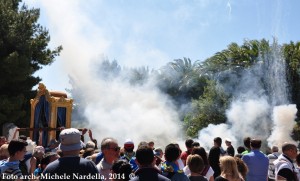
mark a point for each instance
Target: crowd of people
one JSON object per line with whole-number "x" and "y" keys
{"x": 71, "y": 158}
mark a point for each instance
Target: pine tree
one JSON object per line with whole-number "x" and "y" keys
{"x": 23, "y": 51}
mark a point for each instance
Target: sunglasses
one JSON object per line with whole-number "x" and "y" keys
{"x": 116, "y": 148}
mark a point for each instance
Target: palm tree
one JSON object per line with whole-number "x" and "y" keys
{"x": 181, "y": 79}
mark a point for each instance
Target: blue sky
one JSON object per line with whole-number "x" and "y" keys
{"x": 154, "y": 32}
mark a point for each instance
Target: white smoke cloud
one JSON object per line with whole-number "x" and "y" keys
{"x": 121, "y": 111}
{"x": 207, "y": 135}
{"x": 244, "y": 118}
{"x": 249, "y": 118}
{"x": 113, "y": 108}
{"x": 250, "y": 113}
{"x": 284, "y": 120}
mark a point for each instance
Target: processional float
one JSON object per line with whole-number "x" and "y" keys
{"x": 50, "y": 112}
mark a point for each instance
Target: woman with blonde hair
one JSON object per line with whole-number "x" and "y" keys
{"x": 229, "y": 170}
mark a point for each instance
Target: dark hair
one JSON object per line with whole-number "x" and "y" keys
{"x": 196, "y": 163}
{"x": 123, "y": 168}
{"x": 16, "y": 145}
{"x": 188, "y": 143}
{"x": 242, "y": 167}
{"x": 288, "y": 146}
{"x": 23, "y": 137}
{"x": 247, "y": 142}
{"x": 298, "y": 159}
{"x": 172, "y": 152}
{"x": 201, "y": 152}
{"x": 46, "y": 158}
{"x": 240, "y": 149}
{"x": 144, "y": 155}
{"x": 218, "y": 140}
{"x": 88, "y": 152}
{"x": 96, "y": 143}
{"x": 255, "y": 143}
{"x": 196, "y": 144}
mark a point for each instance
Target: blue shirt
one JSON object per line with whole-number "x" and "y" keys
{"x": 258, "y": 164}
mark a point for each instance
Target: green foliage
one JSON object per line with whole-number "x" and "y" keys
{"x": 236, "y": 56}
{"x": 182, "y": 80}
{"x": 23, "y": 51}
{"x": 138, "y": 76}
{"x": 296, "y": 132}
{"x": 208, "y": 109}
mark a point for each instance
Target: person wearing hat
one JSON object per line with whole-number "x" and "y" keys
{"x": 70, "y": 164}
{"x": 128, "y": 150}
{"x": 230, "y": 149}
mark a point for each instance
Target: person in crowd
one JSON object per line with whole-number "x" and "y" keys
{"x": 90, "y": 144}
{"x": 4, "y": 154}
{"x": 189, "y": 147}
{"x": 132, "y": 162}
{"x": 111, "y": 153}
{"x": 38, "y": 153}
{"x": 196, "y": 166}
{"x": 128, "y": 152}
{"x": 151, "y": 145}
{"x": 96, "y": 157}
{"x": 70, "y": 163}
{"x": 195, "y": 144}
{"x": 169, "y": 168}
{"x": 207, "y": 171}
{"x": 93, "y": 139}
{"x": 87, "y": 152}
{"x": 3, "y": 140}
{"x": 89, "y": 131}
{"x": 240, "y": 150}
{"x": 121, "y": 170}
{"x": 298, "y": 160}
{"x": 257, "y": 162}
{"x": 229, "y": 170}
{"x": 214, "y": 156}
{"x": 47, "y": 158}
{"x": 247, "y": 141}
{"x": 230, "y": 149}
{"x": 29, "y": 163}
{"x": 272, "y": 157}
{"x": 284, "y": 165}
{"x": 242, "y": 167}
{"x": 52, "y": 146}
{"x": 298, "y": 165}
{"x": 158, "y": 153}
{"x": 145, "y": 160}
{"x": 10, "y": 167}
{"x": 179, "y": 162}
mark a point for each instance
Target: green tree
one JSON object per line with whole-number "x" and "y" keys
{"x": 182, "y": 80}
{"x": 208, "y": 109}
{"x": 292, "y": 56}
{"x": 23, "y": 51}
